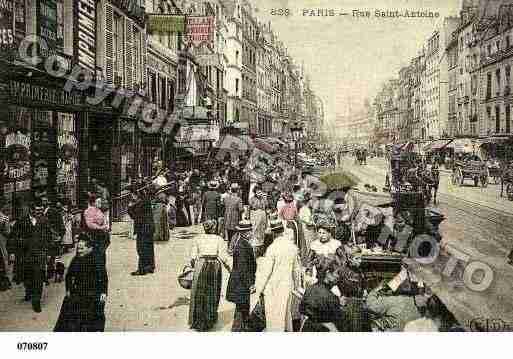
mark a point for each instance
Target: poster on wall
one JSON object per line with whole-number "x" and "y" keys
{"x": 7, "y": 42}
{"x": 16, "y": 166}
{"x": 67, "y": 161}
{"x": 47, "y": 26}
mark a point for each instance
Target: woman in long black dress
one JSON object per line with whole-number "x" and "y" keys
{"x": 83, "y": 309}
{"x": 206, "y": 259}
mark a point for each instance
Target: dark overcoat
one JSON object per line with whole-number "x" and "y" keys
{"x": 242, "y": 277}
{"x": 32, "y": 243}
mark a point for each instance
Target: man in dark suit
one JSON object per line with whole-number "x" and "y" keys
{"x": 33, "y": 235}
{"x": 242, "y": 277}
{"x": 211, "y": 203}
{"x": 233, "y": 209}
{"x": 140, "y": 211}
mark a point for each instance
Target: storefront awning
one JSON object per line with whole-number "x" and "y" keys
{"x": 195, "y": 113}
{"x": 209, "y": 60}
{"x": 464, "y": 145}
{"x": 185, "y": 152}
{"x": 496, "y": 140}
{"x": 437, "y": 145}
{"x": 264, "y": 145}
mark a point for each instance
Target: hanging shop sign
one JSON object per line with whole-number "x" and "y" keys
{"x": 19, "y": 16}
{"x": 198, "y": 133}
{"x": 85, "y": 34}
{"x": 7, "y": 41}
{"x": 24, "y": 92}
{"x": 47, "y": 25}
{"x": 200, "y": 29}
{"x": 165, "y": 23}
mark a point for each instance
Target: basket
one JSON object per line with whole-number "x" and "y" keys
{"x": 185, "y": 279}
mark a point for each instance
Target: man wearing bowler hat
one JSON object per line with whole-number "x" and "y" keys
{"x": 242, "y": 278}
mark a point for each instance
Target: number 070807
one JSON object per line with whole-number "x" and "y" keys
{"x": 24, "y": 346}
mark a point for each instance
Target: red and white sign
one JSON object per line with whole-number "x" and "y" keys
{"x": 199, "y": 29}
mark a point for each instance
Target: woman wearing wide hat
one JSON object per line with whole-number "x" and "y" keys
{"x": 206, "y": 259}
{"x": 242, "y": 277}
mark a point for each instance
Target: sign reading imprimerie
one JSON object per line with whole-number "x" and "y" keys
{"x": 86, "y": 34}
{"x": 165, "y": 23}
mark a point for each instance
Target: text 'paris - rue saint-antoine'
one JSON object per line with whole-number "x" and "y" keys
{"x": 366, "y": 13}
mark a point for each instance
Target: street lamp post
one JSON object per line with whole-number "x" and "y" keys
{"x": 296, "y": 132}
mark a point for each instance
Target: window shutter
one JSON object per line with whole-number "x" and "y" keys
{"x": 143, "y": 58}
{"x": 109, "y": 44}
{"x": 129, "y": 55}
{"x": 119, "y": 28}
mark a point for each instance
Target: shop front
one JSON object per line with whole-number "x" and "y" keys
{"x": 39, "y": 137}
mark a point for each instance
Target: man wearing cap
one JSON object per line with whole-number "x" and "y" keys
{"x": 34, "y": 237}
{"x": 233, "y": 209}
{"x": 242, "y": 276}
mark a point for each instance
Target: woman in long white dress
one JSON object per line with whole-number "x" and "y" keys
{"x": 275, "y": 280}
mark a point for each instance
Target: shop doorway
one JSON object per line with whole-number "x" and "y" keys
{"x": 100, "y": 145}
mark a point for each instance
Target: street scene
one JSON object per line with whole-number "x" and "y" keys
{"x": 255, "y": 166}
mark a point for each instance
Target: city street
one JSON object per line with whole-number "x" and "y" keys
{"x": 149, "y": 303}
{"x": 477, "y": 219}
{"x": 478, "y": 224}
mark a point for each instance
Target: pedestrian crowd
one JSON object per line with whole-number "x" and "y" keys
{"x": 286, "y": 250}
{"x": 290, "y": 267}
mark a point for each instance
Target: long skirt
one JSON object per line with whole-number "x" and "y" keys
{"x": 81, "y": 314}
{"x": 205, "y": 293}
{"x": 4, "y": 265}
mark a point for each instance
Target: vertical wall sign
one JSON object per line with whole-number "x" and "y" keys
{"x": 85, "y": 34}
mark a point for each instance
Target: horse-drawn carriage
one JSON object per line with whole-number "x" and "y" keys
{"x": 470, "y": 167}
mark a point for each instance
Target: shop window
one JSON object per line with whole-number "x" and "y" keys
{"x": 16, "y": 139}
{"x": 163, "y": 93}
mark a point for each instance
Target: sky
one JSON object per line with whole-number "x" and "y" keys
{"x": 351, "y": 57}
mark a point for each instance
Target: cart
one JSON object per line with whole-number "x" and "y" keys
{"x": 471, "y": 167}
